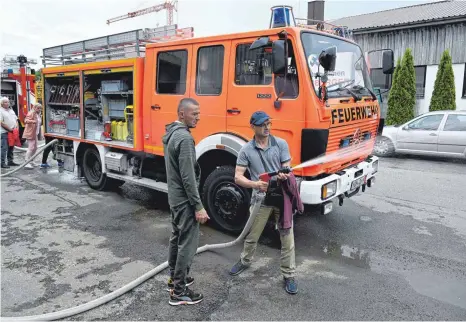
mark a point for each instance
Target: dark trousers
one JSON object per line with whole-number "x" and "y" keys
{"x": 183, "y": 244}
{"x": 7, "y": 151}
{"x": 47, "y": 151}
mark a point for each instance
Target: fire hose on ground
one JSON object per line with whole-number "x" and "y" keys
{"x": 25, "y": 149}
{"x": 111, "y": 296}
{"x": 39, "y": 151}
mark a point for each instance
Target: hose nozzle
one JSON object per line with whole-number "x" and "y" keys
{"x": 268, "y": 175}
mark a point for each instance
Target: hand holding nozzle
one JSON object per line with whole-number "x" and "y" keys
{"x": 282, "y": 174}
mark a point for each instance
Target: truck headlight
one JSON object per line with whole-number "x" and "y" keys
{"x": 329, "y": 190}
{"x": 375, "y": 166}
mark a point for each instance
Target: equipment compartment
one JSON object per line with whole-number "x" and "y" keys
{"x": 62, "y": 105}
{"x": 108, "y": 106}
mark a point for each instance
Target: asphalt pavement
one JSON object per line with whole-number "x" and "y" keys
{"x": 395, "y": 252}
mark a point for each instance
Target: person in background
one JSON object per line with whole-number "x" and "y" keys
{"x": 32, "y": 132}
{"x": 46, "y": 153}
{"x": 9, "y": 123}
{"x": 186, "y": 209}
{"x": 267, "y": 153}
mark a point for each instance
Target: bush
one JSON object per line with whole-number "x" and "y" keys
{"x": 444, "y": 94}
{"x": 402, "y": 97}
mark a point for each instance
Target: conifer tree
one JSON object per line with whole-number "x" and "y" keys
{"x": 444, "y": 94}
{"x": 402, "y": 97}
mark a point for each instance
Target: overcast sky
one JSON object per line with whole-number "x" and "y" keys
{"x": 28, "y": 26}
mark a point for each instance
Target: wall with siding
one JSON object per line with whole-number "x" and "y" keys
{"x": 427, "y": 43}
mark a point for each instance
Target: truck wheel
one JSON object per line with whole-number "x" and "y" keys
{"x": 384, "y": 147}
{"x": 95, "y": 178}
{"x": 227, "y": 203}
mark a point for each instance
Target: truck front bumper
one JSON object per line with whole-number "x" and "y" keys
{"x": 345, "y": 183}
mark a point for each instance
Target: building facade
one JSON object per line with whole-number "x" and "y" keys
{"x": 428, "y": 29}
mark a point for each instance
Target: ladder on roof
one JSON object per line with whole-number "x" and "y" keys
{"x": 324, "y": 26}
{"x": 116, "y": 46}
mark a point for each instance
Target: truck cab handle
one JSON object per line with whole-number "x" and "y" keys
{"x": 233, "y": 111}
{"x": 156, "y": 107}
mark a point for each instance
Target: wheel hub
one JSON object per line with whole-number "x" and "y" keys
{"x": 228, "y": 199}
{"x": 381, "y": 146}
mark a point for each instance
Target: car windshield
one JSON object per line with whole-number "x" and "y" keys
{"x": 350, "y": 68}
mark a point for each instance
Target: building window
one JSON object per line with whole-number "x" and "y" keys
{"x": 464, "y": 82}
{"x": 171, "y": 72}
{"x": 379, "y": 79}
{"x": 253, "y": 67}
{"x": 209, "y": 74}
{"x": 420, "y": 80}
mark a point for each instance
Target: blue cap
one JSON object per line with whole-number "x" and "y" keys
{"x": 259, "y": 117}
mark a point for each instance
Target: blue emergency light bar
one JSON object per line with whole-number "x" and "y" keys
{"x": 282, "y": 16}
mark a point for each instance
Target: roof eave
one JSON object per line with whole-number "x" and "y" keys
{"x": 420, "y": 24}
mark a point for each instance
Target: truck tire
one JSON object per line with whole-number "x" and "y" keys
{"x": 227, "y": 203}
{"x": 95, "y": 178}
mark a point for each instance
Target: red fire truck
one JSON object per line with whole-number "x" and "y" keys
{"x": 18, "y": 85}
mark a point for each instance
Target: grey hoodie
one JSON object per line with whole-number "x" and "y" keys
{"x": 183, "y": 171}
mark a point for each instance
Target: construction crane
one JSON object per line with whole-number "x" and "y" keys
{"x": 169, "y": 5}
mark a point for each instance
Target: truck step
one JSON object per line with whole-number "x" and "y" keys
{"x": 148, "y": 183}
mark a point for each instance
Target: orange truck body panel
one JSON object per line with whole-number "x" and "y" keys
{"x": 306, "y": 111}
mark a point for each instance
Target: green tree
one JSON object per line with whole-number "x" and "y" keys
{"x": 444, "y": 94}
{"x": 393, "y": 95}
{"x": 402, "y": 97}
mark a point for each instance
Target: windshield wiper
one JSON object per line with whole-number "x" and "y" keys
{"x": 338, "y": 85}
{"x": 359, "y": 88}
{"x": 339, "y": 88}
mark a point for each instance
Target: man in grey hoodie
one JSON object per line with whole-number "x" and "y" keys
{"x": 187, "y": 211}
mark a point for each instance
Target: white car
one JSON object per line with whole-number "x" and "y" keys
{"x": 440, "y": 133}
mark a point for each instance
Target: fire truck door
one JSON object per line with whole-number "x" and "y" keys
{"x": 209, "y": 71}
{"x": 171, "y": 83}
{"x": 254, "y": 88}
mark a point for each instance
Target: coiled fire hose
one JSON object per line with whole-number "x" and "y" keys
{"x": 111, "y": 296}
{"x": 39, "y": 151}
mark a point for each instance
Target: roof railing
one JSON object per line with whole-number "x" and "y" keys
{"x": 116, "y": 46}
{"x": 320, "y": 25}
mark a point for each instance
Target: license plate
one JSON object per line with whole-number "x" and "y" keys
{"x": 357, "y": 183}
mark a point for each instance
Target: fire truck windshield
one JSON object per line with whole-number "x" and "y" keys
{"x": 350, "y": 68}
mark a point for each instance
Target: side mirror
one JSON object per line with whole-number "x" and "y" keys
{"x": 279, "y": 62}
{"x": 328, "y": 58}
{"x": 259, "y": 43}
{"x": 388, "y": 64}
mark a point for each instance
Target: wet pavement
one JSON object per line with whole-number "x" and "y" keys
{"x": 396, "y": 252}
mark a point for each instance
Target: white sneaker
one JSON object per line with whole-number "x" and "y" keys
{"x": 28, "y": 166}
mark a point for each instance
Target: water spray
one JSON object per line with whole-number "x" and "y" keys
{"x": 364, "y": 148}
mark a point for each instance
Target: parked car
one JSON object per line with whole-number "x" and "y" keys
{"x": 440, "y": 133}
